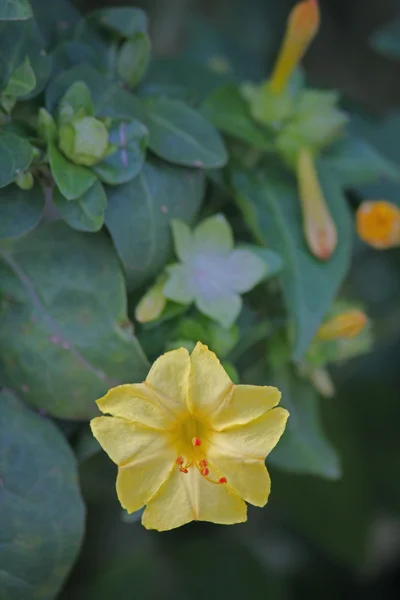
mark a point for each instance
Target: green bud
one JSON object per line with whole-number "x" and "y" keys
{"x": 84, "y": 141}
{"x": 46, "y": 125}
{"x": 266, "y": 107}
{"x": 152, "y": 303}
{"x": 24, "y": 180}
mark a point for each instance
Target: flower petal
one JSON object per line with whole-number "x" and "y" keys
{"x": 219, "y": 303}
{"x": 125, "y": 441}
{"x": 208, "y": 382}
{"x": 187, "y": 497}
{"x": 244, "y": 404}
{"x": 179, "y": 285}
{"x": 136, "y": 402}
{"x": 255, "y": 439}
{"x": 247, "y": 476}
{"x": 213, "y": 236}
{"x": 168, "y": 378}
{"x": 244, "y": 270}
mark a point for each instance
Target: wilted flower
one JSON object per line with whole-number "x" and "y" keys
{"x": 378, "y": 224}
{"x": 302, "y": 27}
{"x": 346, "y": 325}
{"x": 189, "y": 443}
{"x": 319, "y": 228}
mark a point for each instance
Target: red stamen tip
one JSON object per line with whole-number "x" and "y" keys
{"x": 184, "y": 470}
{"x": 204, "y": 472}
{"x": 179, "y": 460}
{"x": 203, "y": 463}
{"x": 196, "y": 441}
{"x": 223, "y": 480}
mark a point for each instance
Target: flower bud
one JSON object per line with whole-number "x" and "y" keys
{"x": 319, "y": 228}
{"x": 84, "y": 141}
{"x": 152, "y": 304}
{"x": 24, "y": 180}
{"x": 344, "y": 326}
{"x": 378, "y": 224}
{"x": 302, "y": 27}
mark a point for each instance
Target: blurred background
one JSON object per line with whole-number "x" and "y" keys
{"x": 316, "y": 538}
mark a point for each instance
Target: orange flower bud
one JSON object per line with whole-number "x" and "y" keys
{"x": 345, "y": 326}
{"x": 302, "y": 27}
{"x": 319, "y": 228}
{"x": 378, "y": 224}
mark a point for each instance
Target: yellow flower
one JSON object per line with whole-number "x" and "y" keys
{"x": 319, "y": 228}
{"x": 302, "y": 27}
{"x": 189, "y": 444}
{"x": 344, "y": 326}
{"x": 378, "y": 224}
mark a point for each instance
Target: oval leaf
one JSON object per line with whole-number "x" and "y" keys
{"x": 20, "y": 210}
{"x": 181, "y": 135}
{"x": 15, "y": 10}
{"x": 85, "y": 213}
{"x": 65, "y": 337}
{"x": 73, "y": 180}
{"x": 15, "y": 157}
{"x": 42, "y": 513}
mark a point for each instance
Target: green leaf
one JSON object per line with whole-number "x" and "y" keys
{"x": 86, "y": 213}
{"x": 227, "y": 110}
{"x": 181, "y": 135}
{"x": 133, "y": 59}
{"x": 356, "y": 162}
{"x": 22, "y": 81}
{"x": 86, "y": 445}
{"x": 16, "y": 155}
{"x": 65, "y": 337}
{"x": 387, "y": 39}
{"x": 76, "y": 99}
{"x": 139, "y": 212}
{"x": 14, "y": 46}
{"x": 41, "y": 506}
{"x": 20, "y": 211}
{"x": 271, "y": 208}
{"x": 56, "y": 20}
{"x": 272, "y": 261}
{"x": 124, "y": 21}
{"x": 72, "y": 180}
{"x": 15, "y": 10}
{"x": 303, "y": 448}
{"x": 130, "y": 138}
{"x": 212, "y": 272}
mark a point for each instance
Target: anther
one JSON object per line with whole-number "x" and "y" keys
{"x": 179, "y": 460}
{"x": 183, "y": 470}
{"x": 204, "y": 472}
{"x": 223, "y": 480}
{"x": 203, "y": 463}
{"x": 196, "y": 441}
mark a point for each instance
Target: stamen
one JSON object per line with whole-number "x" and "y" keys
{"x": 203, "y": 463}
{"x": 196, "y": 441}
{"x": 183, "y": 470}
{"x": 223, "y": 480}
{"x": 204, "y": 472}
{"x": 179, "y": 460}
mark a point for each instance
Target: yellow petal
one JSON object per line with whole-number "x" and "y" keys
{"x": 125, "y": 441}
{"x": 187, "y": 497}
{"x": 141, "y": 479}
{"x": 169, "y": 379}
{"x": 136, "y": 402}
{"x": 244, "y": 404}
{"x": 208, "y": 383}
{"x": 378, "y": 224}
{"x": 254, "y": 440}
{"x": 247, "y": 476}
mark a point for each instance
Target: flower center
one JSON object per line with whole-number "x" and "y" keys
{"x": 192, "y": 447}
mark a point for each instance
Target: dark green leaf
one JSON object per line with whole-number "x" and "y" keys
{"x": 20, "y": 210}
{"x": 15, "y": 10}
{"x": 16, "y": 155}
{"x": 86, "y": 213}
{"x": 356, "y": 162}
{"x": 65, "y": 337}
{"x": 76, "y": 98}
{"x": 303, "y": 448}
{"x": 138, "y": 216}
{"x": 124, "y": 21}
{"x": 56, "y": 20}
{"x": 387, "y": 40}
{"x": 130, "y": 138}
{"x": 181, "y": 135}
{"x": 41, "y": 506}
{"x": 73, "y": 180}
{"x": 133, "y": 58}
{"x": 226, "y": 109}
{"x": 86, "y": 445}
{"x": 14, "y": 46}
{"x": 271, "y": 208}
{"x": 22, "y": 81}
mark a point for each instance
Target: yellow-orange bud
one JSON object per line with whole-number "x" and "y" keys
{"x": 319, "y": 228}
{"x": 378, "y": 224}
{"x": 302, "y": 27}
{"x": 345, "y": 326}
{"x": 152, "y": 304}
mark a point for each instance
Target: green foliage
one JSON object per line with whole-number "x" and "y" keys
{"x": 42, "y": 509}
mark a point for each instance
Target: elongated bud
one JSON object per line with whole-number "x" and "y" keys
{"x": 378, "y": 224}
{"x": 345, "y": 326}
{"x": 319, "y": 228}
{"x": 152, "y": 304}
{"x": 302, "y": 27}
